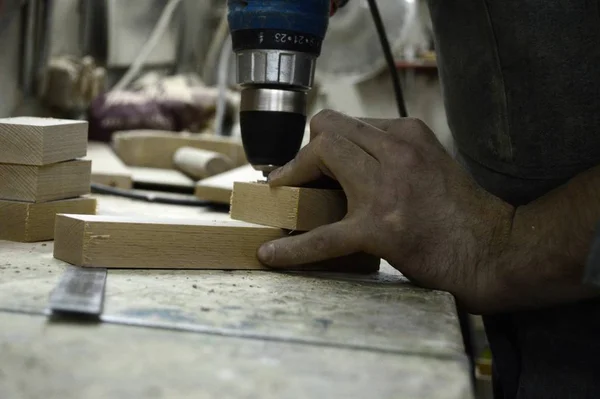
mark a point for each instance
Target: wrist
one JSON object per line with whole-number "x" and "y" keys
{"x": 496, "y": 245}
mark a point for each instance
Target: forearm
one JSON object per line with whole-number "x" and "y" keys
{"x": 543, "y": 260}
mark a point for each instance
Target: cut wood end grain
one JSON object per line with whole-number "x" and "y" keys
{"x": 292, "y": 208}
{"x": 41, "y": 141}
{"x": 32, "y": 222}
{"x": 69, "y": 232}
{"x": 56, "y": 181}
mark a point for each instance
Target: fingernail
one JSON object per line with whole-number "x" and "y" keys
{"x": 274, "y": 174}
{"x": 266, "y": 253}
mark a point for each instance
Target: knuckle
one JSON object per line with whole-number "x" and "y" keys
{"x": 412, "y": 130}
{"x": 404, "y": 125}
{"x": 408, "y": 156}
{"x": 320, "y": 121}
{"x": 324, "y": 146}
{"x": 324, "y": 115}
{"x": 360, "y": 125}
{"x": 328, "y": 140}
{"x": 414, "y": 122}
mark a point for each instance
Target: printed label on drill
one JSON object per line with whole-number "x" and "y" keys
{"x": 270, "y": 39}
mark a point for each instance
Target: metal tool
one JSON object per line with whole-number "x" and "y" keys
{"x": 276, "y": 43}
{"x": 79, "y": 292}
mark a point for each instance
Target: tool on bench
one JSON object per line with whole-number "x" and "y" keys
{"x": 80, "y": 292}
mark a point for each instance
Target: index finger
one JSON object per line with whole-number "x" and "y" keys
{"x": 380, "y": 123}
{"x": 330, "y": 155}
{"x": 364, "y": 135}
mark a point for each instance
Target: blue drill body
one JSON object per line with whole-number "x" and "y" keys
{"x": 301, "y": 16}
{"x": 277, "y": 43}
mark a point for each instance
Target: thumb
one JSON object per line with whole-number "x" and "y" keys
{"x": 323, "y": 243}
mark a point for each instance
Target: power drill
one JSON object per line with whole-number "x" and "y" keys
{"x": 276, "y": 43}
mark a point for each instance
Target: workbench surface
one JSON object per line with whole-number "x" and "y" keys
{"x": 216, "y": 334}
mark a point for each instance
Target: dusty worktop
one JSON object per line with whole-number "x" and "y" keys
{"x": 171, "y": 334}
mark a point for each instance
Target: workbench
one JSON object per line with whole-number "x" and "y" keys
{"x": 216, "y": 334}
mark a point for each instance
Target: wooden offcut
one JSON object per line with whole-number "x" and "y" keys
{"x": 41, "y": 141}
{"x": 201, "y": 164}
{"x": 292, "y": 208}
{"x": 107, "y": 168}
{"x": 121, "y": 242}
{"x": 159, "y": 179}
{"x": 31, "y": 222}
{"x": 44, "y": 183}
{"x": 218, "y": 188}
{"x": 155, "y": 149}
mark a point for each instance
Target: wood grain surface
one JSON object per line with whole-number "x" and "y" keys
{"x": 291, "y": 208}
{"x": 107, "y": 168}
{"x": 200, "y": 164}
{"x": 156, "y": 177}
{"x": 41, "y": 141}
{"x": 121, "y": 242}
{"x": 29, "y": 222}
{"x": 218, "y": 188}
{"x": 155, "y": 149}
{"x": 45, "y": 183}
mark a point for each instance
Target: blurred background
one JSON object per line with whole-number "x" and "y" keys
{"x": 61, "y": 57}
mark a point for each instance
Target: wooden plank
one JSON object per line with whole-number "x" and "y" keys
{"x": 155, "y": 149}
{"x": 219, "y": 187}
{"x": 291, "y": 208}
{"x": 31, "y": 222}
{"x": 41, "y": 141}
{"x": 107, "y": 168}
{"x": 155, "y": 177}
{"x": 45, "y": 183}
{"x": 120, "y": 242}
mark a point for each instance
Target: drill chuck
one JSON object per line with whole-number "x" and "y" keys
{"x": 272, "y": 122}
{"x": 277, "y": 43}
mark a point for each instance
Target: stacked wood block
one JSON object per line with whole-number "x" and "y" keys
{"x": 297, "y": 209}
{"x": 41, "y": 175}
{"x": 150, "y": 242}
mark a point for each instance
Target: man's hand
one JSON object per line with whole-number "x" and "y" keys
{"x": 409, "y": 202}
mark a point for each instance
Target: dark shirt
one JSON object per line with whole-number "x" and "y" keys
{"x": 521, "y": 84}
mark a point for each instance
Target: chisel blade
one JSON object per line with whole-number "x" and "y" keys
{"x": 80, "y": 291}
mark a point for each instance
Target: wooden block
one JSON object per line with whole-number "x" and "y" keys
{"x": 118, "y": 242}
{"x": 155, "y": 149}
{"x": 291, "y": 208}
{"x": 107, "y": 168}
{"x": 201, "y": 164}
{"x": 41, "y": 141}
{"x": 156, "y": 178}
{"x": 219, "y": 187}
{"x": 44, "y": 183}
{"x": 28, "y": 222}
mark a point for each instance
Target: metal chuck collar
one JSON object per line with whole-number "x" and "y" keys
{"x": 276, "y": 44}
{"x": 272, "y": 122}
